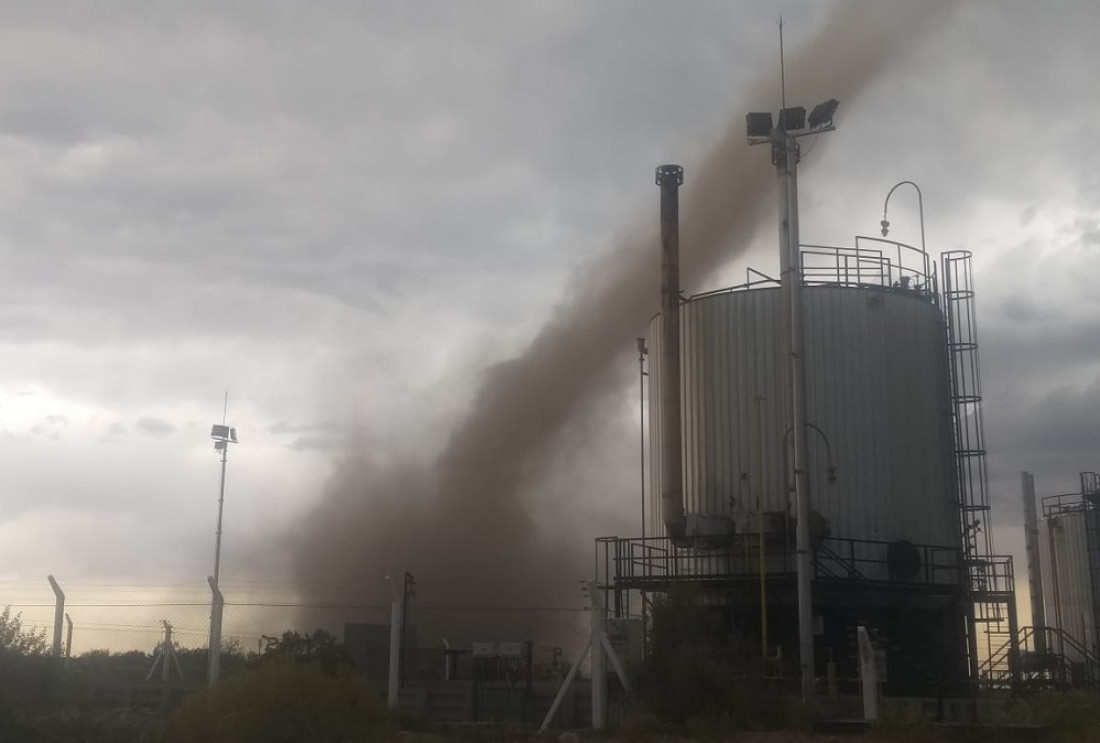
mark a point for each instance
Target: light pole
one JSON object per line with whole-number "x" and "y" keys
{"x": 407, "y": 593}
{"x": 783, "y": 138}
{"x": 920, "y": 207}
{"x": 223, "y": 436}
{"x": 396, "y": 622}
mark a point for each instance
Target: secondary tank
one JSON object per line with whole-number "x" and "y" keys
{"x": 1069, "y": 548}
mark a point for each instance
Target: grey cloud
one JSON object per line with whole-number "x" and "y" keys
{"x": 50, "y": 427}
{"x": 114, "y": 431}
{"x": 154, "y": 427}
{"x": 321, "y": 443}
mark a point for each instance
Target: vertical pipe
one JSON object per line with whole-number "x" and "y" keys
{"x": 58, "y": 615}
{"x": 642, "y": 351}
{"x": 785, "y": 155}
{"x": 670, "y": 178}
{"x": 759, "y": 400}
{"x": 1052, "y": 525}
{"x": 1013, "y": 645}
{"x": 1034, "y": 573}
{"x": 868, "y": 674}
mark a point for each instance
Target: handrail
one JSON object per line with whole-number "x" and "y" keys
{"x": 735, "y": 556}
{"x": 996, "y": 667}
{"x": 851, "y": 574}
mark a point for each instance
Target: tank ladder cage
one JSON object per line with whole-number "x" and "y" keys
{"x": 1090, "y": 496}
{"x": 991, "y": 594}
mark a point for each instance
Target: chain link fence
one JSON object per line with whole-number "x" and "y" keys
{"x": 103, "y": 620}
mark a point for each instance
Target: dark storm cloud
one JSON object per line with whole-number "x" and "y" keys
{"x": 346, "y": 209}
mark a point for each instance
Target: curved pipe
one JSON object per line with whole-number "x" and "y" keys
{"x": 920, "y": 208}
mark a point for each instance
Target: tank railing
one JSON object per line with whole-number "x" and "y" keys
{"x": 872, "y": 263}
{"x": 911, "y": 262}
{"x": 760, "y": 278}
{"x": 658, "y": 560}
{"x": 1064, "y": 503}
{"x": 993, "y": 575}
{"x": 844, "y": 267}
{"x": 750, "y": 283}
{"x": 867, "y": 560}
{"x": 826, "y": 560}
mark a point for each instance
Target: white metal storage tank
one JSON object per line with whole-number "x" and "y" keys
{"x": 877, "y": 391}
{"x": 1067, "y": 587}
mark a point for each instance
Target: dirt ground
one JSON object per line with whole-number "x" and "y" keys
{"x": 498, "y": 736}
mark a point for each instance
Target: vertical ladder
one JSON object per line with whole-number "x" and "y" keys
{"x": 992, "y": 609}
{"x": 1090, "y": 496}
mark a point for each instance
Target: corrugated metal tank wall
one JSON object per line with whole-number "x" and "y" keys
{"x": 1067, "y": 591}
{"x": 877, "y": 387}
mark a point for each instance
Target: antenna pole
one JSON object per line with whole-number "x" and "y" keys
{"x": 782, "y": 69}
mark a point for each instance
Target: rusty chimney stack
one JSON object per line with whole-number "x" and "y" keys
{"x": 670, "y": 178}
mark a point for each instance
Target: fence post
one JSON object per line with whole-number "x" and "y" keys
{"x": 58, "y": 615}
{"x": 599, "y": 665}
{"x": 68, "y": 639}
{"x": 396, "y": 622}
{"x": 217, "y": 602}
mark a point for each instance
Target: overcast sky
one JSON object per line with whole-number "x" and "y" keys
{"x": 342, "y": 212}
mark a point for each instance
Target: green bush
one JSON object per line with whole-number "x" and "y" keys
{"x": 900, "y": 724}
{"x": 15, "y": 640}
{"x": 284, "y": 702}
{"x": 1071, "y": 715}
{"x": 697, "y": 672}
{"x": 68, "y": 725}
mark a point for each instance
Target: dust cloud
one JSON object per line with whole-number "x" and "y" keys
{"x": 462, "y": 524}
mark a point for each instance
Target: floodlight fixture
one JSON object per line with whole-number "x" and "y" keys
{"x": 792, "y": 119}
{"x": 822, "y": 115}
{"x": 759, "y": 124}
{"x": 223, "y": 435}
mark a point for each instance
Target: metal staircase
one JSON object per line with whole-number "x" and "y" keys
{"x": 1052, "y": 668}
